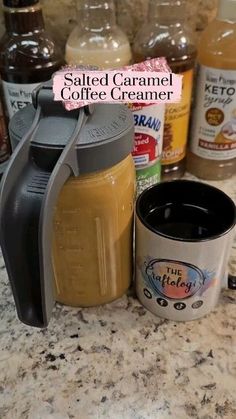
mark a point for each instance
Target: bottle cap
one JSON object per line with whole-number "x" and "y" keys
{"x": 19, "y": 3}
{"x": 227, "y": 10}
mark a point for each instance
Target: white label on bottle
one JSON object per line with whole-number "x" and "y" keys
{"x": 213, "y": 134}
{"x": 149, "y": 127}
{"x": 17, "y": 96}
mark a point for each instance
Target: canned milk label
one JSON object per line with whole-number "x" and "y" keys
{"x": 149, "y": 127}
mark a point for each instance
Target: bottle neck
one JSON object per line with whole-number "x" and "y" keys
{"x": 167, "y": 12}
{"x": 227, "y": 10}
{"x": 23, "y": 20}
{"x": 96, "y": 15}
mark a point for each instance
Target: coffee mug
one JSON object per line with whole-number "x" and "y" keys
{"x": 184, "y": 234}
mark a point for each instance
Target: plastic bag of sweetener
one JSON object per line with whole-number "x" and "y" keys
{"x": 149, "y": 128}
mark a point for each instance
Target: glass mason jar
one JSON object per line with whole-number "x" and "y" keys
{"x": 93, "y": 233}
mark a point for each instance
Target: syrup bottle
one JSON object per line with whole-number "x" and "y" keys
{"x": 28, "y": 55}
{"x": 97, "y": 40}
{"x": 213, "y": 135}
{"x": 168, "y": 35}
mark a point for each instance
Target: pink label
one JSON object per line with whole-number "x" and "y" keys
{"x": 79, "y": 88}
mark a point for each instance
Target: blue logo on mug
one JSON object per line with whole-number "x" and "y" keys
{"x": 172, "y": 279}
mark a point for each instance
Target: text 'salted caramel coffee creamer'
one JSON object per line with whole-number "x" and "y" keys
{"x": 149, "y": 127}
{"x": 149, "y": 132}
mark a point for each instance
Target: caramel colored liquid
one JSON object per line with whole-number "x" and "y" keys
{"x": 93, "y": 230}
{"x": 216, "y": 51}
{"x": 150, "y": 43}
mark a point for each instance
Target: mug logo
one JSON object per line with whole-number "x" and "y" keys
{"x": 172, "y": 279}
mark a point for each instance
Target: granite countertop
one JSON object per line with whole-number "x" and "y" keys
{"x": 119, "y": 361}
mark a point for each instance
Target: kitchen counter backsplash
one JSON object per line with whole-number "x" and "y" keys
{"x": 60, "y": 15}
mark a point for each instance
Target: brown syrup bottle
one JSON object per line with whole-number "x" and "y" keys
{"x": 167, "y": 34}
{"x": 28, "y": 55}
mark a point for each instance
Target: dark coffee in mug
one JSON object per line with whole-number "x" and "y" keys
{"x": 184, "y": 221}
{"x": 186, "y": 210}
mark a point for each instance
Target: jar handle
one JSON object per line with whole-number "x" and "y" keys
{"x": 27, "y": 201}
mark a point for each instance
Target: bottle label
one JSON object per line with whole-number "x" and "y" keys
{"x": 177, "y": 123}
{"x": 148, "y": 177}
{"x": 149, "y": 127}
{"x": 17, "y": 96}
{"x": 213, "y": 132}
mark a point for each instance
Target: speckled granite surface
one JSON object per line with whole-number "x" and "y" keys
{"x": 118, "y": 361}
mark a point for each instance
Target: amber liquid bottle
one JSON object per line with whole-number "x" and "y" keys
{"x": 167, "y": 35}
{"x": 28, "y": 55}
{"x": 212, "y": 154}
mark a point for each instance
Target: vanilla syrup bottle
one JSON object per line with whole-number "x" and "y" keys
{"x": 97, "y": 40}
{"x": 212, "y": 152}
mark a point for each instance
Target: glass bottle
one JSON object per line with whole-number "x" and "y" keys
{"x": 97, "y": 40}
{"x": 167, "y": 35}
{"x": 212, "y": 152}
{"x": 28, "y": 55}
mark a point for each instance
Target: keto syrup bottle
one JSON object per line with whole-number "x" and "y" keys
{"x": 97, "y": 40}
{"x": 28, "y": 55}
{"x": 213, "y": 135}
{"x": 167, "y": 35}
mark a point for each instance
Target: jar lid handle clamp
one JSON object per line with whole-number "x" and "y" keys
{"x": 29, "y": 194}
